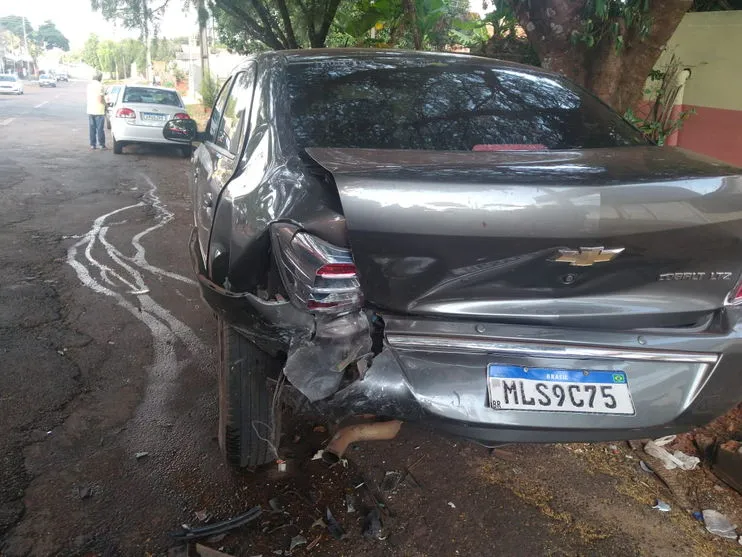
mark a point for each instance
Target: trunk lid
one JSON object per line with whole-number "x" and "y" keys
{"x": 631, "y": 237}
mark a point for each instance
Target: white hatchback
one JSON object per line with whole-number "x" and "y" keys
{"x": 139, "y": 114}
{"x": 9, "y": 83}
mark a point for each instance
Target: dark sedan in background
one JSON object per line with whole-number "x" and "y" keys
{"x": 478, "y": 245}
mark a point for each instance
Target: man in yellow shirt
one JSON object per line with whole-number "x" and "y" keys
{"x": 96, "y": 112}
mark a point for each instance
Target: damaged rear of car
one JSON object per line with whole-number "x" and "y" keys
{"x": 475, "y": 245}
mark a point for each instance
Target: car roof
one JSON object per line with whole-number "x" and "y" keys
{"x": 145, "y": 86}
{"x": 385, "y": 54}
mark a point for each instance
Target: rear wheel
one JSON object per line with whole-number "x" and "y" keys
{"x": 117, "y": 147}
{"x": 245, "y": 399}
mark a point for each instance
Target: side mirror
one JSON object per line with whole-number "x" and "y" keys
{"x": 180, "y": 130}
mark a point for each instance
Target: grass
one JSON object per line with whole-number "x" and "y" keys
{"x": 199, "y": 113}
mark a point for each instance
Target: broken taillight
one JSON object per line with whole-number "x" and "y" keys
{"x": 317, "y": 275}
{"x": 735, "y": 296}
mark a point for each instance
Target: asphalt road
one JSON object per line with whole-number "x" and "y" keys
{"x": 106, "y": 351}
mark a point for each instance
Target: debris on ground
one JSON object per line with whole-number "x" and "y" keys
{"x": 187, "y": 533}
{"x": 350, "y": 506}
{"x": 202, "y": 516}
{"x": 391, "y": 481}
{"x": 451, "y": 504}
{"x": 84, "y": 492}
{"x": 281, "y": 465}
{"x": 643, "y": 465}
{"x": 276, "y": 505}
{"x": 318, "y": 455}
{"x": 718, "y": 524}
{"x": 333, "y": 526}
{"x": 372, "y": 525}
{"x": 660, "y": 505}
{"x": 678, "y": 459}
{"x": 205, "y": 551}
{"x": 141, "y": 455}
{"x": 296, "y": 541}
{"x": 314, "y": 543}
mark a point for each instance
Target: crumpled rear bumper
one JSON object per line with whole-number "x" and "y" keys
{"x": 435, "y": 372}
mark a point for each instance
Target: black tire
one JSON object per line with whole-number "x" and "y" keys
{"x": 117, "y": 147}
{"x": 245, "y": 399}
{"x": 186, "y": 152}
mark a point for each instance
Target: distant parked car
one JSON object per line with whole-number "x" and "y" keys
{"x": 47, "y": 80}
{"x": 63, "y": 77}
{"x": 139, "y": 114}
{"x": 9, "y": 83}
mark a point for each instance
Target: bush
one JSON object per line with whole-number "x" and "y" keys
{"x": 209, "y": 90}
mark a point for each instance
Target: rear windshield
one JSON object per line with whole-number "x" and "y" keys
{"x": 150, "y": 96}
{"x": 7, "y": 78}
{"x": 423, "y": 104}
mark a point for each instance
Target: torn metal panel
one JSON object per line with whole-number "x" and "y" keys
{"x": 315, "y": 364}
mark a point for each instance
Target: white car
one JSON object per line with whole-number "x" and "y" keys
{"x": 139, "y": 114}
{"x": 9, "y": 83}
{"x": 47, "y": 80}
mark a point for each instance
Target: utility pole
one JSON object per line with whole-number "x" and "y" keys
{"x": 147, "y": 45}
{"x": 25, "y": 43}
{"x": 203, "y": 39}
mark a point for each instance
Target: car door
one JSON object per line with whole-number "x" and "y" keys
{"x": 218, "y": 157}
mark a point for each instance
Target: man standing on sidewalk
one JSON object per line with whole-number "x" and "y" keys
{"x": 96, "y": 112}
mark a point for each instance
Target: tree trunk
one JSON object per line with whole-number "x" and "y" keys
{"x": 617, "y": 76}
{"x": 411, "y": 10}
{"x": 203, "y": 39}
{"x": 147, "y": 45}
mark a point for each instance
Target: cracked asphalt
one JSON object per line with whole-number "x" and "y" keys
{"x": 106, "y": 351}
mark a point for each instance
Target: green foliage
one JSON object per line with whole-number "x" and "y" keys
{"x": 209, "y": 89}
{"x": 90, "y": 52}
{"x": 164, "y": 50}
{"x": 14, "y": 24}
{"x": 51, "y": 37}
{"x": 277, "y": 24}
{"x": 386, "y": 23}
{"x": 133, "y": 14}
{"x": 661, "y": 120}
{"x": 612, "y": 19}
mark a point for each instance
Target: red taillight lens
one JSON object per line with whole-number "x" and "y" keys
{"x": 337, "y": 271}
{"x": 181, "y": 116}
{"x": 735, "y": 296}
{"x": 125, "y": 113}
{"x": 318, "y": 276}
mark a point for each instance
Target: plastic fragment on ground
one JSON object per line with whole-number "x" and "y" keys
{"x": 660, "y": 505}
{"x": 719, "y": 525}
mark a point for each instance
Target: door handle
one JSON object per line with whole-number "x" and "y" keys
{"x": 208, "y": 201}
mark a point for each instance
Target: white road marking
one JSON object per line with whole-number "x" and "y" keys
{"x": 6, "y": 121}
{"x": 165, "y": 328}
{"x": 164, "y": 216}
{"x": 41, "y": 104}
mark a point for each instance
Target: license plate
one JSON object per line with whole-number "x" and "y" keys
{"x": 153, "y": 117}
{"x": 559, "y": 390}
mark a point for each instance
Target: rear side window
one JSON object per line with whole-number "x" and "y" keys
{"x": 149, "y": 95}
{"x": 233, "y": 127}
{"x": 398, "y": 103}
{"x": 7, "y": 78}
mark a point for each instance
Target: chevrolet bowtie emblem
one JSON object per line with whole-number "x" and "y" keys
{"x": 585, "y": 257}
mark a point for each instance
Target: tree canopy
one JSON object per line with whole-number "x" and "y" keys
{"x": 51, "y": 37}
